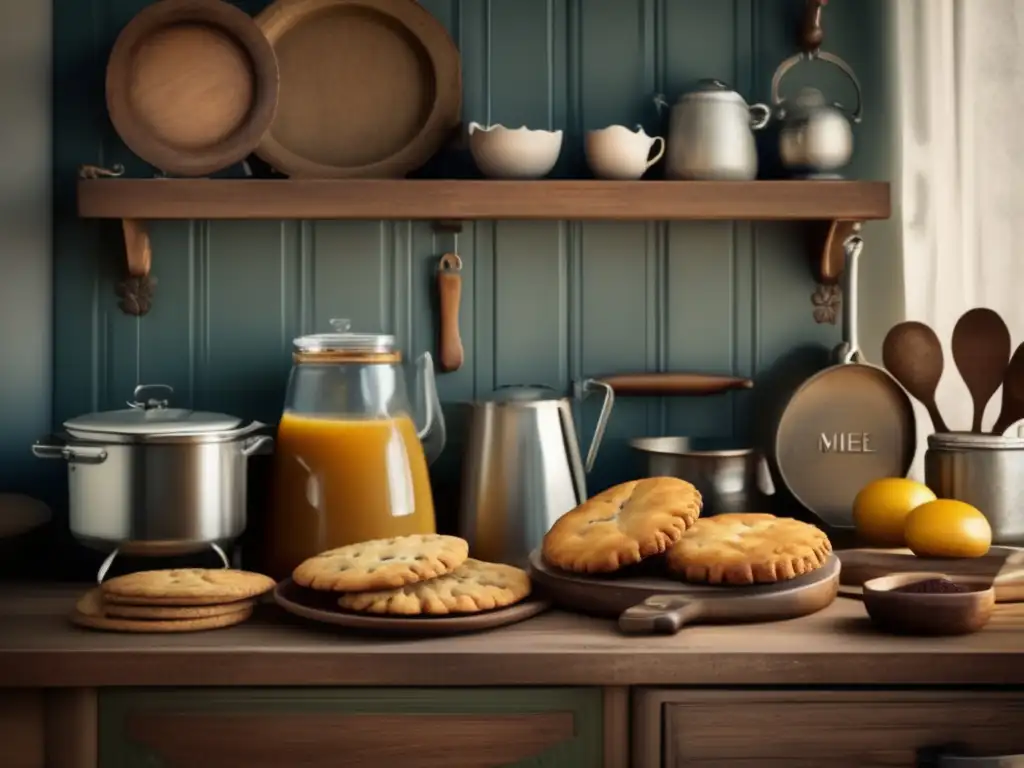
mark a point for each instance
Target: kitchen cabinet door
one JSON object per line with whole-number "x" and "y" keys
{"x": 814, "y": 729}
{"x": 355, "y": 728}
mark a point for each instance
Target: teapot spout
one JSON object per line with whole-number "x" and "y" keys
{"x": 432, "y": 432}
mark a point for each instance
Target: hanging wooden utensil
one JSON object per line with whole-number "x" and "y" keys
{"x": 450, "y": 354}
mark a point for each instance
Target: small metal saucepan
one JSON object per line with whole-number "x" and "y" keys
{"x": 154, "y": 480}
{"x": 730, "y": 477}
{"x": 844, "y": 427}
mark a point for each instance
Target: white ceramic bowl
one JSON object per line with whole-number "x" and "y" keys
{"x": 514, "y": 153}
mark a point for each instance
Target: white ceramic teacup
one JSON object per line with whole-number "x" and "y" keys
{"x": 618, "y": 153}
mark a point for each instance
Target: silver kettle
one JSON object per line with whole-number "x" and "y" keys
{"x": 816, "y": 138}
{"x": 522, "y": 468}
{"x": 711, "y": 134}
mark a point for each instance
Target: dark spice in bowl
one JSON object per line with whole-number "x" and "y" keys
{"x": 933, "y": 587}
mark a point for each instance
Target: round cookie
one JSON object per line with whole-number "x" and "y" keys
{"x": 173, "y": 612}
{"x": 186, "y": 586}
{"x": 473, "y": 587}
{"x": 748, "y": 548}
{"x": 382, "y": 563}
{"x": 90, "y": 611}
{"x": 622, "y": 525}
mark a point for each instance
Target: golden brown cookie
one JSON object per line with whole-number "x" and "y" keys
{"x": 622, "y": 525}
{"x": 472, "y": 587}
{"x": 90, "y": 611}
{"x": 748, "y": 549}
{"x": 382, "y": 563}
{"x": 186, "y": 586}
{"x": 172, "y": 612}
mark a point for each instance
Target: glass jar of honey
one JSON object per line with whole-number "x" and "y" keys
{"x": 351, "y": 461}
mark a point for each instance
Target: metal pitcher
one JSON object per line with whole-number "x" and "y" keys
{"x": 522, "y": 468}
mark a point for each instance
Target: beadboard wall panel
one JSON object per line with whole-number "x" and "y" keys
{"x": 543, "y": 302}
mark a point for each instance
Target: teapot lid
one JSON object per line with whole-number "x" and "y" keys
{"x": 713, "y": 89}
{"x": 343, "y": 340}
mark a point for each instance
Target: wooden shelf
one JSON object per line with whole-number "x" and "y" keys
{"x": 464, "y": 200}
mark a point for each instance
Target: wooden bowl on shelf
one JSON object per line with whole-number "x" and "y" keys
{"x": 929, "y": 613}
{"x": 192, "y": 85}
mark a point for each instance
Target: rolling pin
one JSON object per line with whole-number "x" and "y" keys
{"x": 683, "y": 384}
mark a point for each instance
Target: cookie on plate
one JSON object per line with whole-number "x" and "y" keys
{"x": 382, "y": 563}
{"x": 622, "y": 525}
{"x": 748, "y": 548}
{"x": 91, "y": 612}
{"x": 473, "y": 587}
{"x": 186, "y": 586}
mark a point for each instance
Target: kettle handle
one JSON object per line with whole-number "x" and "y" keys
{"x": 602, "y": 419}
{"x": 830, "y": 58}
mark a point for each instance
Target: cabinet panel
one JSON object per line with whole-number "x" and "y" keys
{"x": 21, "y": 729}
{"x": 810, "y": 729}
{"x": 452, "y": 728}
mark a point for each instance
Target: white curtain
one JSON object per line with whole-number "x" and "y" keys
{"x": 960, "y": 172}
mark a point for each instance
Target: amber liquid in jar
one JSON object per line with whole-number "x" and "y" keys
{"x": 339, "y": 482}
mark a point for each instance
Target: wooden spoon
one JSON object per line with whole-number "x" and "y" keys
{"x": 1013, "y": 393}
{"x": 912, "y": 353}
{"x": 981, "y": 350}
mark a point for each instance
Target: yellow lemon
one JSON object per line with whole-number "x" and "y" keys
{"x": 948, "y": 528}
{"x": 881, "y": 508}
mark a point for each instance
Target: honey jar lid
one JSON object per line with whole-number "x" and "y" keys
{"x": 342, "y": 339}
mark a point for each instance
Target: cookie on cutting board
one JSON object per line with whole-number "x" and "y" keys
{"x": 91, "y": 612}
{"x": 382, "y": 563}
{"x": 622, "y": 525}
{"x": 748, "y": 548}
{"x": 473, "y": 587}
{"x": 186, "y": 587}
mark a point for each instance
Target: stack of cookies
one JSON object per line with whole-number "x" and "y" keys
{"x": 660, "y": 516}
{"x": 176, "y": 600}
{"x": 423, "y": 575}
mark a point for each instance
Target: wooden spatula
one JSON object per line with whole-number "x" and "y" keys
{"x": 1013, "y": 393}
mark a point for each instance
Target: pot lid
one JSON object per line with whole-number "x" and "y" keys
{"x": 152, "y": 421}
{"x": 343, "y": 340}
{"x": 975, "y": 441}
{"x": 530, "y": 393}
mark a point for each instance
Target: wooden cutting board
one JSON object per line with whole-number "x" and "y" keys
{"x": 1004, "y": 566}
{"x": 651, "y": 603}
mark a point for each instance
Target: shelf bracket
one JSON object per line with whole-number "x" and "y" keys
{"x": 828, "y": 260}
{"x": 448, "y": 226}
{"x": 135, "y": 291}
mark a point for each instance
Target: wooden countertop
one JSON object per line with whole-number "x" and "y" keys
{"x": 39, "y": 647}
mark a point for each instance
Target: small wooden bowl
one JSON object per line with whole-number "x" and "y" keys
{"x": 915, "y": 613}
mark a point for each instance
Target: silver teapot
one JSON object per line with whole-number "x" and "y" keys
{"x": 816, "y": 137}
{"x": 711, "y": 134}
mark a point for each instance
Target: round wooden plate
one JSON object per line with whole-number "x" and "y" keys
{"x": 369, "y": 88}
{"x": 191, "y": 85}
{"x": 323, "y": 607}
{"x": 645, "y": 601}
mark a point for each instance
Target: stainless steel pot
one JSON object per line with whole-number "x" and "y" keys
{"x": 987, "y": 472}
{"x": 153, "y": 480}
{"x": 730, "y": 478}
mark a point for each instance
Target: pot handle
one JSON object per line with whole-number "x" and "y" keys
{"x": 258, "y": 445}
{"x": 586, "y": 387}
{"x": 52, "y": 448}
{"x": 778, "y": 101}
